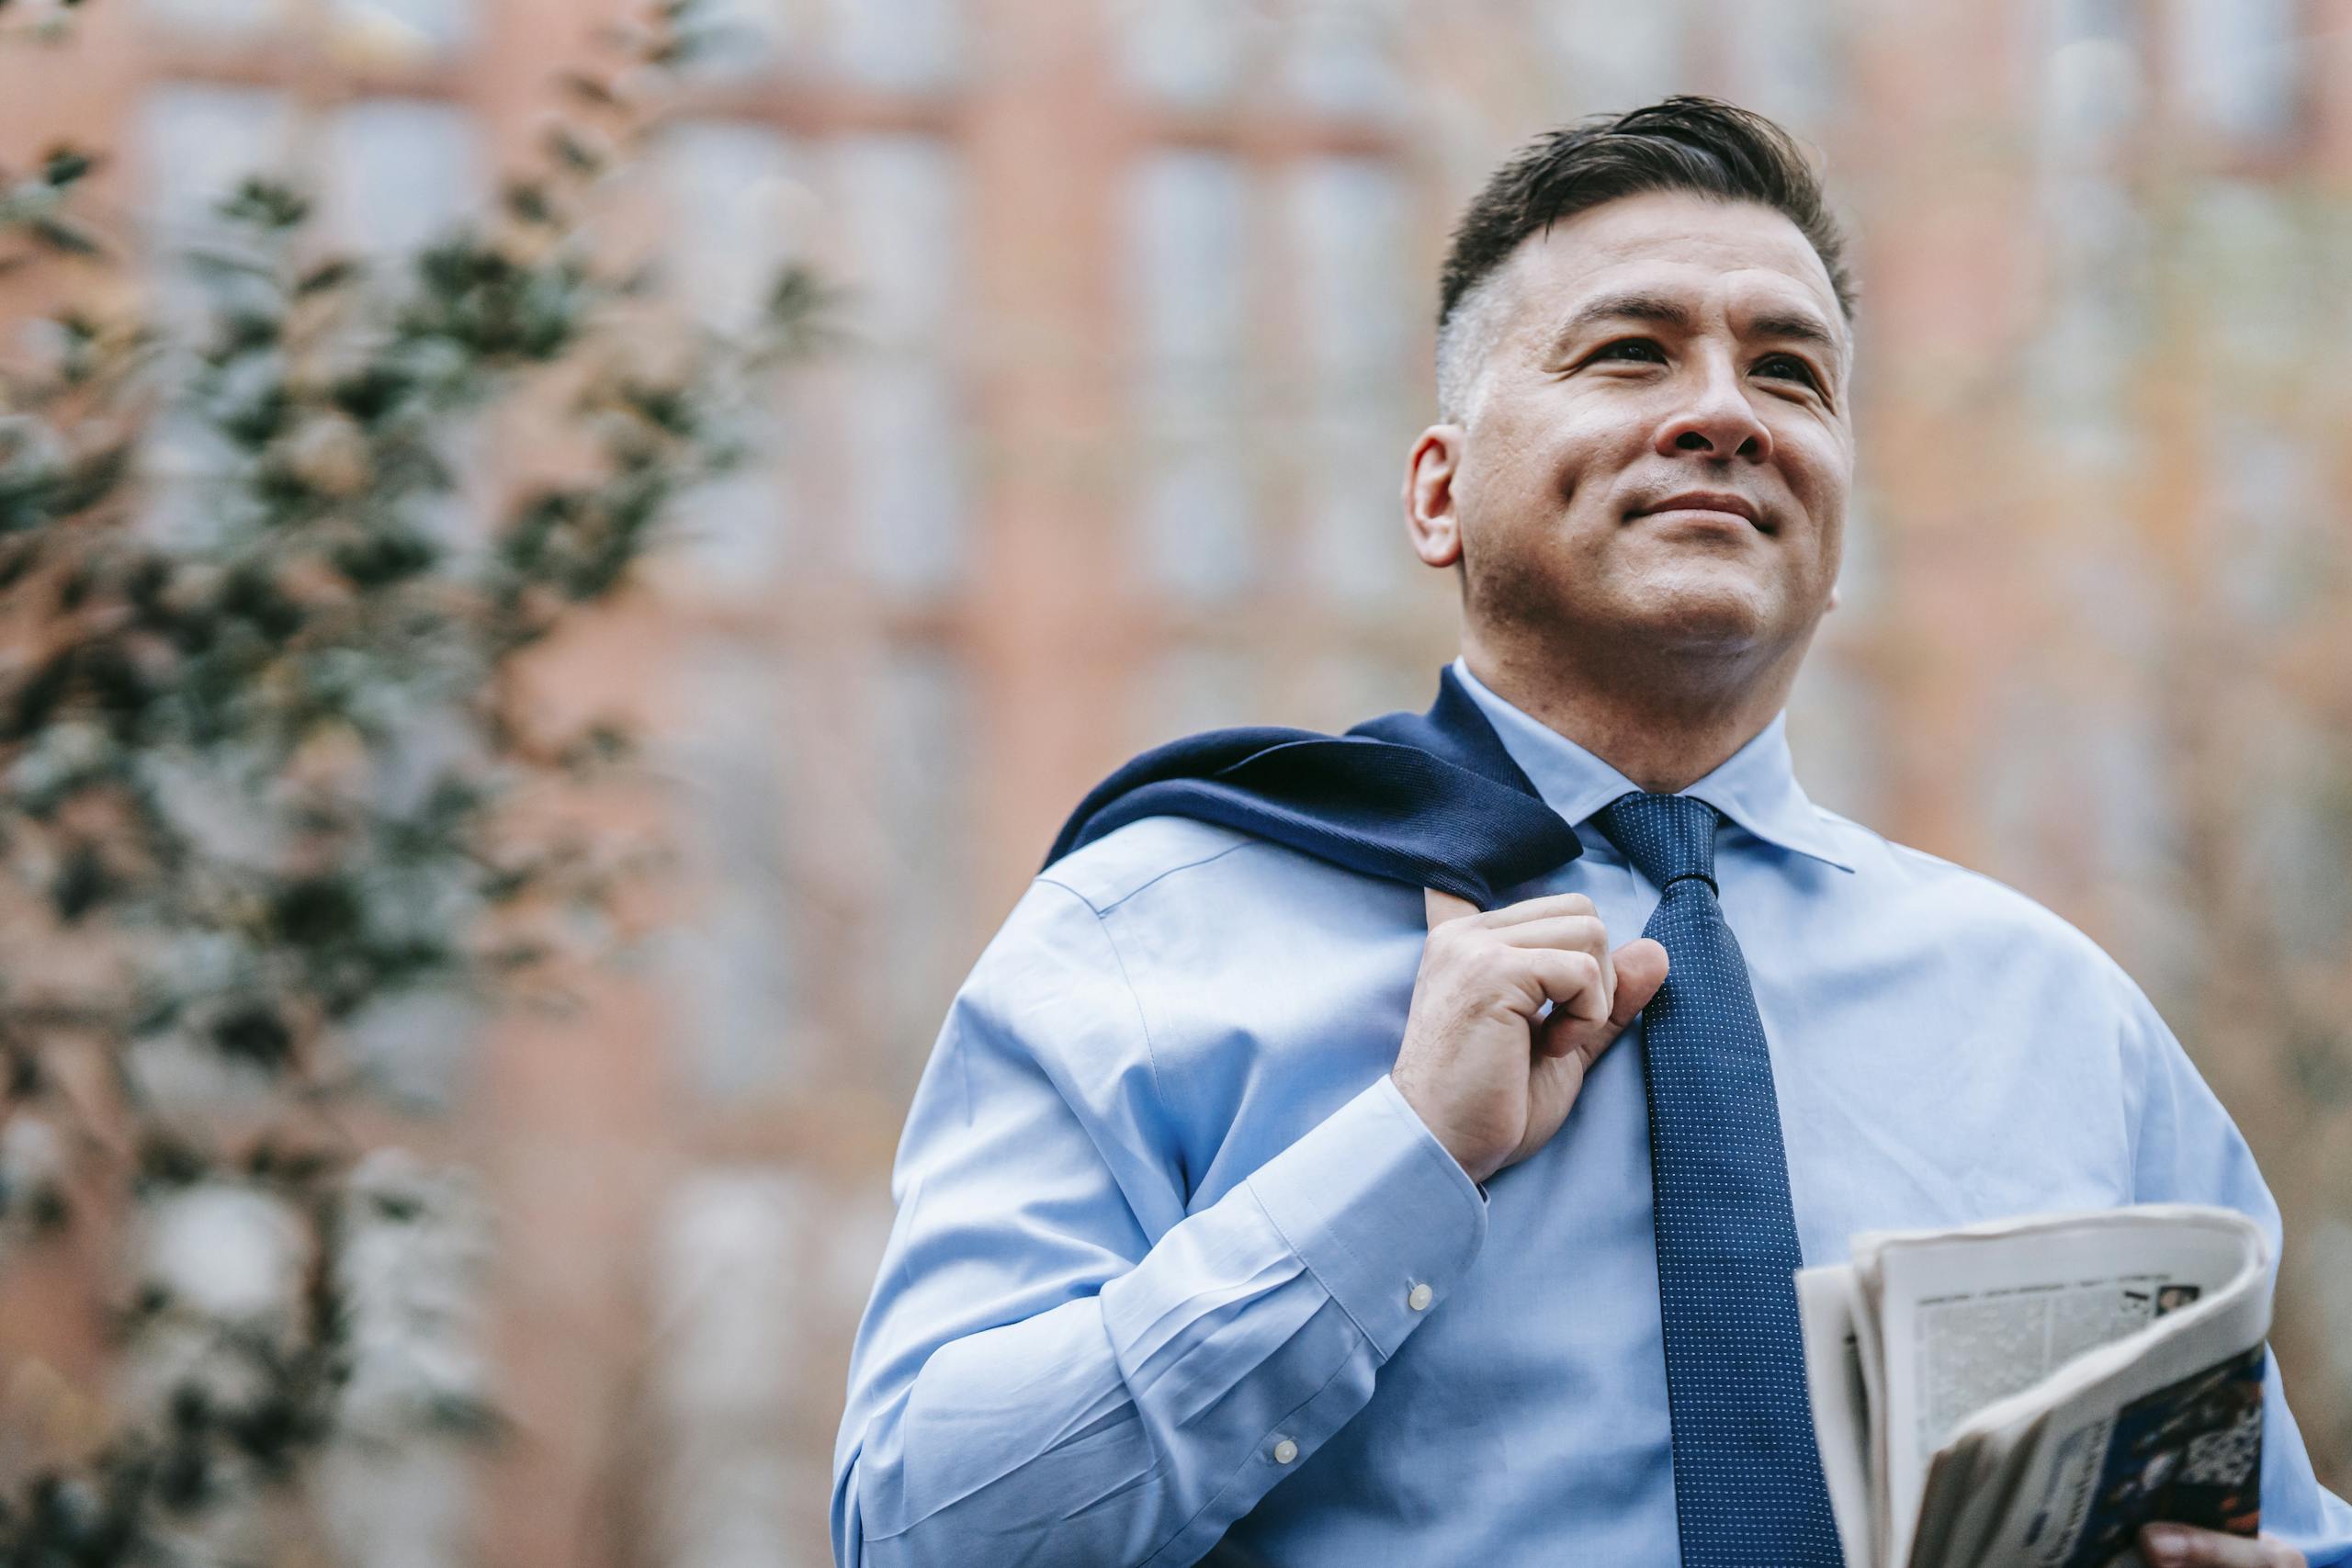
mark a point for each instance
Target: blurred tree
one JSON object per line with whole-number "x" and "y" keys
{"x": 269, "y": 774}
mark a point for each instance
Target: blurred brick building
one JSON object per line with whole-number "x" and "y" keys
{"x": 1139, "y": 335}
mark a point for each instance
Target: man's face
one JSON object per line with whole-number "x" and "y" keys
{"x": 1657, "y": 347}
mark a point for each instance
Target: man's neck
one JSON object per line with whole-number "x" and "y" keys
{"x": 1662, "y": 734}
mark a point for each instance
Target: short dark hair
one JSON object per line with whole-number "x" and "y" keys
{"x": 1685, "y": 142}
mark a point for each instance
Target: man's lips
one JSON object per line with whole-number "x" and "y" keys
{"x": 1700, "y": 504}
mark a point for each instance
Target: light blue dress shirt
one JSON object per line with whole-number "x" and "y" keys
{"x": 1178, "y": 1276}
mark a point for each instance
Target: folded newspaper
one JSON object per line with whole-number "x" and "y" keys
{"x": 2030, "y": 1392}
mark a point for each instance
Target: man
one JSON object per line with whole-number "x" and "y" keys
{"x": 1272, "y": 1195}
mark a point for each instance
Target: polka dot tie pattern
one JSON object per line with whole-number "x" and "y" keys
{"x": 1748, "y": 1484}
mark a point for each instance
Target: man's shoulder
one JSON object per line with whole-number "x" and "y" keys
{"x": 1172, "y": 856}
{"x": 1958, "y": 896}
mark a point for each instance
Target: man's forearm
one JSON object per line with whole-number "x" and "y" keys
{"x": 1134, "y": 1423}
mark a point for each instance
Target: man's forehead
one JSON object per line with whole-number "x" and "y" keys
{"x": 1674, "y": 244}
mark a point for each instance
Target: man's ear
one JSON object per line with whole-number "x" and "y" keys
{"x": 1429, "y": 513}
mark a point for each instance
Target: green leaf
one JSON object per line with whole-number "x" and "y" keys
{"x": 82, "y": 883}
{"x": 265, "y": 203}
{"x": 65, "y": 165}
{"x": 382, "y": 560}
{"x": 254, "y": 1032}
{"x": 330, "y": 274}
{"x": 528, "y": 201}
{"x": 66, "y": 239}
{"x": 573, "y": 153}
{"x": 318, "y": 911}
{"x": 588, "y": 89}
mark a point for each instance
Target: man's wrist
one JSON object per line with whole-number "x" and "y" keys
{"x": 1383, "y": 1215}
{"x": 1459, "y": 1147}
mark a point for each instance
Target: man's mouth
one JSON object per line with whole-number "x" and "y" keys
{"x": 1698, "y": 505}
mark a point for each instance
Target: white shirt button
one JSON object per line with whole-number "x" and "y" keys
{"x": 1419, "y": 1297}
{"x": 1286, "y": 1451}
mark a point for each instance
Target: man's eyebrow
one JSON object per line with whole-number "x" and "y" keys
{"x": 1669, "y": 312}
{"x": 1804, "y": 329}
{"x": 1622, "y": 308}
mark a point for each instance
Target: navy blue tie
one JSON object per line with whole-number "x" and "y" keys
{"x": 1748, "y": 1484}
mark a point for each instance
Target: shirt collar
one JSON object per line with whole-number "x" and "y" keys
{"x": 1756, "y": 787}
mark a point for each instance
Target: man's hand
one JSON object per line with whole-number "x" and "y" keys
{"x": 1490, "y": 1078}
{"x": 2182, "y": 1546}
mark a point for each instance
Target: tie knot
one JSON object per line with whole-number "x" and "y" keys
{"x": 1666, "y": 836}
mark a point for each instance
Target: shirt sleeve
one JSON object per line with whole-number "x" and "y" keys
{"x": 1058, "y": 1364}
{"x": 2188, "y": 1150}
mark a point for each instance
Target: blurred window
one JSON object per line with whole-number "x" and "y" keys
{"x": 1785, "y": 58}
{"x": 2136, "y": 839}
{"x": 1340, "y": 56}
{"x": 2233, "y": 64}
{"x": 2278, "y": 532}
{"x": 401, "y": 172}
{"x": 2093, "y": 78}
{"x": 196, "y": 142}
{"x": 2098, "y": 317}
{"x": 744, "y": 39}
{"x": 1188, "y": 270}
{"x": 729, "y": 1269}
{"x": 1190, "y": 53}
{"x": 1351, "y": 234}
{"x": 223, "y": 20}
{"x": 1348, "y": 233}
{"x": 899, "y": 204}
{"x": 2261, "y": 282}
{"x": 194, "y": 146}
{"x": 1862, "y": 573}
{"x": 1194, "y": 507}
{"x": 1354, "y": 549}
{"x": 896, "y": 43}
{"x": 920, "y": 948}
{"x": 905, "y": 429}
{"x": 1188, "y": 222}
{"x": 2297, "y": 827}
{"x": 735, "y": 207}
{"x": 1195, "y": 687}
{"x": 401, "y": 32}
{"x": 1834, "y": 730}
{"x": 734, "y": 963}
{"x": 1609, "y": 55}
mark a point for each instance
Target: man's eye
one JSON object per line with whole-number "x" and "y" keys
{"x": 1788, "y": 365}
{"x": 1641, "y": 346}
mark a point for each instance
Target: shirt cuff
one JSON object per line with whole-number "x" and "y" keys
{"x": 1378, "y": 1210}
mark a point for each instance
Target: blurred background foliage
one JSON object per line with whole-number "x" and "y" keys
{"x": 1129, "y": 310}
{"x": 273, "y": 770}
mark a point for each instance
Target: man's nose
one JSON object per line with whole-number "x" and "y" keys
{"x": 1715, "y": 417}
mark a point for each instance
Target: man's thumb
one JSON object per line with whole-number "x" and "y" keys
{"x": 1641, "y": 970}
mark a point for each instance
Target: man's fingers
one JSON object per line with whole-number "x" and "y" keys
{"x": 2183, "y": 1546}
{"x": 1577, "y": 933}
{"x": 1443, "y": 907}
{"x": 1548, "y": 907}
{"x": 1575, "y": 982}
{"x": 1640, "y": 967}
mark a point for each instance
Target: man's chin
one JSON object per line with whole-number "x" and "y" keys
{"x": 1696, "y": 618}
